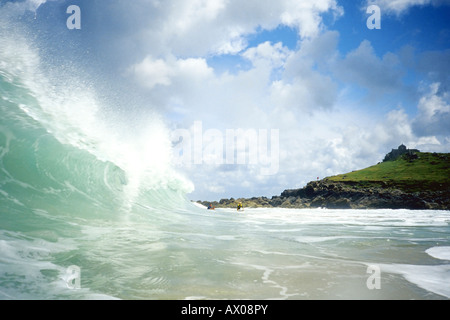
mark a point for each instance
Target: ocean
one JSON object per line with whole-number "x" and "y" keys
{"x": 91, "y": 208}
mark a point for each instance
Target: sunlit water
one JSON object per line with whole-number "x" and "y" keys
{"x": 256, "y": 254}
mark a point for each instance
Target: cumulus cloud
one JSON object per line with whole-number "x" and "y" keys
{"x": 18, "y": 8}
{"x": 435, "y": 65}
{"x": 434, "y": 113}
{"x": 303, "y": 87}
{"x": 329, "y": 142}
{"x": 362, "y": 67}
{"x": 304, "y": 94}
{"x": 305, "y": 15}
{"x": 279, "y": 82}
{"x": 399, "y": 7}
{"x": 205, "y": 27}
{"x": 274, "y": 55}
{"x": 152, "y": 72}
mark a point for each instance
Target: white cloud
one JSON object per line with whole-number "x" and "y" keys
{"x": 281, "y": 84}
{"x": 304, "y": 94}
{"x": 305, "y": 15}
{"x": 302, "y": 86}
{"x": 434, "y": 113}
{"x": 435, "y": 65}
{"x": 152, "y": 72}
{"x": 202, "y": 27}
{"x": 362, "y": 67}
{"x": 274, "y": 56}
{"x": 399, "y": 7}
{"x": 319, "y": 144}
{"x": 397, "y": 127}
{"x": 18, "y": 8}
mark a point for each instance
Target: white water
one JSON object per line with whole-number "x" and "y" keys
{"x": 258, "y": 254}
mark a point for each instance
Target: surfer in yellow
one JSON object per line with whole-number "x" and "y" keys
{"x": 239, "y": 206}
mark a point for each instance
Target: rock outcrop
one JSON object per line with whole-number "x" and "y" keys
{"x": 406, "y": 179}
{"x": 338, "y": 195}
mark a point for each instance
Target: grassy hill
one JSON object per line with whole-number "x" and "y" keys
{"x": 422, "y": 171}
{"x": 415, "y": 180}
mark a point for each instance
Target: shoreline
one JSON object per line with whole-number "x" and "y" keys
{"x": 339, "y": 195}
{"x": 360, "y": 199}
{"x": 406, "y": 179}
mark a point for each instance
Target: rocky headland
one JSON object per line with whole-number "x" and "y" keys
{"x": 410, "y": 180}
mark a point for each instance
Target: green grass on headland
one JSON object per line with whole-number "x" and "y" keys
{"x": 421, "y": 171}
{"x": 415, "y": 180}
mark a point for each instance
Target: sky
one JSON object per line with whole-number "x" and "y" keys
{"x": 260, "y": 96}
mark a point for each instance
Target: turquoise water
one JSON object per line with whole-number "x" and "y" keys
{"x": 83, "y": 191}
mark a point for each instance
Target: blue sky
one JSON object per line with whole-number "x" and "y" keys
{"x": 339, "y": 94}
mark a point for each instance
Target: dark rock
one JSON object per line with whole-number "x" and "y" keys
{"x": 318, "y": 202}
{"x": 341, "y": 203}
{"x": 276, "y": 201}
{"x": 309, "y": 191}
{"x": 346, "y": 195}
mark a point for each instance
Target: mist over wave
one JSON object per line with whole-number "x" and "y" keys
{"x": 61, "y": 106}
{"x": 69, "y": 163}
